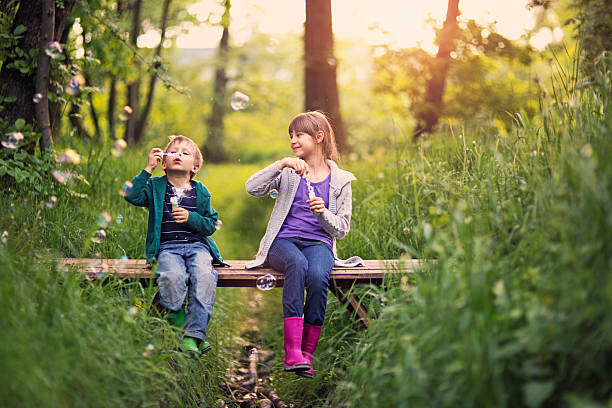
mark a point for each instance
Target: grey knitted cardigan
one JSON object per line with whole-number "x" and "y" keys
{"x": 335, "y": 220}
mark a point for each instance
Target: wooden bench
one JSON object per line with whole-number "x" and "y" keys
{"x": 341, "y": 279}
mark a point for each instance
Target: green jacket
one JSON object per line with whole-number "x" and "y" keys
{"x": 149, "y": 192}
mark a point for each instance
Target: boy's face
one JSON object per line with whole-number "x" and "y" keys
{"x": 181, "y": 158}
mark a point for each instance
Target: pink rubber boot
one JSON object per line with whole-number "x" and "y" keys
{"x": 294, "y": 360}
{"x": 310, "y": 339}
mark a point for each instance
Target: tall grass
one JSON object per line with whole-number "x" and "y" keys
{"x": 69, "y": 341}
{"x": 516, "y": 310}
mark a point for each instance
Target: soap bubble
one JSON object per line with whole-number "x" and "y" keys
{"x": 54, "y": 49}
{"x": 51, "y": 202}
{"x": 273, "y": 193}
{"x": 61, "y": 178}
{"x": 97, "y": 270}
{"x": 12, "y": 140}
{"x": 118, "y": 147}
{"x": 218, "y": 224}
{"x": 99, "y": 236}
{"x": 103, "y": 219}
{"x": 5, "y": 236}
{"x": 272, "y": 45}
{"x": 126, "y": 188}
{"x": 126, "y": 112}
{"x": 37, "y": 98}
{"x": 119, "y": 219}
{"x": 74, "y": 85}
{"x": 266, "y": 282}
{"x": 70, "y": 156}
{"x": 239, "y": 101}
{"x": 148, "y": 349}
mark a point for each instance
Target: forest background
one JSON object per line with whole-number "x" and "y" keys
{"x": 488, "y": 155}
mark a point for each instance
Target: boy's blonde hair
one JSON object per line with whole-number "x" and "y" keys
{"x": 197, "y": 154}
{"x": 313, "y": 122}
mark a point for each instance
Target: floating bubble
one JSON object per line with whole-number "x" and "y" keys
{"x": 54, "y": 49}
{"x": 51, "y": 202}
{"x": 126, "y": 112}
{"x": 148, "y": 350}
{"x": 97, "y": 270}
{"x": 266, "y": 282}
{"x": 239, "y": 101}
{"x": 73, "y": 87}
{"x": 273, "y": 193}
{"x": 218, "y": 224}
{"x": 37, "y": 98}
{"x": 12, "y": 140}
{"x": 99, "y": 236}
{"x": 118, "y": 147}
{"x": 61, "y": 178}
{"x": 119, "y": 219}
{"x": 272, "y": 44}
{"x": 70, "y": 156}
{"x": 103, "y": 219}
{"x": 126, "y": 188}
{"x": 4, "y": 237}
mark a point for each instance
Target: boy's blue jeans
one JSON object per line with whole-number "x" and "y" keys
{"x": 306, "y": 263}
{"x": 186, "y": 270}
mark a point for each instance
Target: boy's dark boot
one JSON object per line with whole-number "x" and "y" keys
{"x": 294, "y": 360}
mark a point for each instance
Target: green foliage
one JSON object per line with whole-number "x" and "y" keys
{"x": 515, "y": 310}
{"x": 593, "y": 20}
{"x": 488, "y": 76}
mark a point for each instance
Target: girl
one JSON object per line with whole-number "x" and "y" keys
{"x": 313, "y": 209}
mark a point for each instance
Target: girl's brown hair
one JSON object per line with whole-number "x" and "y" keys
{"x": 313, "y": 122}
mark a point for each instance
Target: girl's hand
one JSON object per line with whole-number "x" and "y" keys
{"x": 180, "y": 215}
{"x": 299, "y": 165}
{"x": 154, "y": 158}
{"x": 317, "y": 205}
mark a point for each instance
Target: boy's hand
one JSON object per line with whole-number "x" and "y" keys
{"x": 180, "y": 215}
{"x": 317, "y": 205}
{"x": 155, "y": 156}
{"x": 299, "y": 165}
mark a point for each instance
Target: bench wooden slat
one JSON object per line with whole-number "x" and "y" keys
{"x": 236, "y": 275}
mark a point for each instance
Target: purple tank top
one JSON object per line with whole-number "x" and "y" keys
{"x": 301, "y": 222}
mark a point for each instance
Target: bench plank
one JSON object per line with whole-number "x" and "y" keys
{"x": 236, "y": 275}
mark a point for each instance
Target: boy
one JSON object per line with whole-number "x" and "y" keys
{"x": 181, "y": 221}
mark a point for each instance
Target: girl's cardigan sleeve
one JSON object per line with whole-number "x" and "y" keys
{"x": 266, "y": 179}
{"x": 338, "y": 225}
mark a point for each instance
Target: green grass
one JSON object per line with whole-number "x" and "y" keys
{"x": 514, "y": 313}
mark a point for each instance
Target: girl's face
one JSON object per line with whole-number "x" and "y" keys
{"x": 305, "y": 146}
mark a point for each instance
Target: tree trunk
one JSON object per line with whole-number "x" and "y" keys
{"x": 24, "y": 86}
{"x": 42, "y": 73}
{"x": 13, "y": 83}
{"x": 133, "y": 89}
{"x": 213, "y": 150}
{"x": 144, "y": 116}
{"x": 112, "y": 101}
{"x": 427, "y": 118}
{"x": 320, "y": 85}
{"x": 62, "y": 30}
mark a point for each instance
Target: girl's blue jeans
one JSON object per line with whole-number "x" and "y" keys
{"x": 306, "y": 263}
{"x": 185, "y": 270}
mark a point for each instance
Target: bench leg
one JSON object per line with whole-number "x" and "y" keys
{"x": 352, "y": 304}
